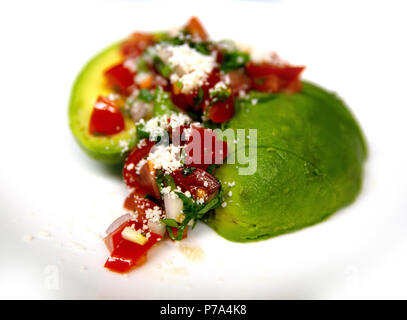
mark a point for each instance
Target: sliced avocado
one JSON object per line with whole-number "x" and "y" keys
{"x": 88, "y": 86}
{"x": 310, "y": 153}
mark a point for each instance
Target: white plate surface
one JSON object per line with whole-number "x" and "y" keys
{"x": 47, "y": 185}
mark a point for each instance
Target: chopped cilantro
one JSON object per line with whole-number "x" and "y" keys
{"x": 169, "y": 181}
{"x": 220, "y": 94}
{"x": 187, "y": 171}
{"x": 202, "y": 46}
{"x": 146, "y": 95}
{"x": 193, "y": 211}
{"x": 179, "y": 84}
{"x": 170, "y": 223}
{"x": 234, "y": 60}
{"x": 198, "y": 98}
{"x": 163, "y": 68}
{"x": 141, "y": 133}
{"x": 159, "y": 179}
{"x": 142, "y": 64}
{"x": 211, "y": 168}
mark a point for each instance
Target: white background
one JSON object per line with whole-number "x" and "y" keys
{"x": 47, "y": 184}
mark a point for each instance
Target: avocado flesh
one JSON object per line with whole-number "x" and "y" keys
{"x": 88, "y": 86}
{"x": 310, "y": 153}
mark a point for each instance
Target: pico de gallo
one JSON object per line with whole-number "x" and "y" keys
{"x": 175, "y": 86}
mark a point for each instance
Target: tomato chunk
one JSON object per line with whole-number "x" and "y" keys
{"x": 201, "y": 184}
{"x": 106, "y": 118}
{"x": 204, "y": 149}
{"x": 137, "y": 43}
{"x": 222, "y": 111}
{"x": 128, "y": 255}
{"x": 120, "y": 78}
{"x": 196, "y": 29}
{"x": 266, "y": 69}
{"x": 130, "y": 175}
{"x": 196, "y": 99}
{"x": 239, "y": 81}
{"x": 268, "y": 77}
{"x": 146, "y": 179}
{"x": 113, "y": 239}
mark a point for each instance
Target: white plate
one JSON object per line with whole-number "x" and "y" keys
{"x": 48, "y": 184}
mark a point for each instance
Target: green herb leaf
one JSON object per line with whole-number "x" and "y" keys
{"x": 187, "y": 171}
{"x": 211, "y": 168}
{"x": 220, "y": 94}
{"x": 163, "y": 104}
{"x": 171, "y": 234}
{"x": 146, "y": 95}
{"x": 159, "y": 179}
{"x": 197, "y": 100}
{"x": 234, "y": 60}
{"x": 141, "y": 132}
{"x": 163, "y": 68}
{"x": 170, "y": 223}
{"x": 142, "y": 64}
{"x": 169, "y": 182}
{"x": 189, "y": 204}
{"x": 215, "y": 202}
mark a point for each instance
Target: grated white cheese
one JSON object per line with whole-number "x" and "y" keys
{"x": 124, "y": 145}
{"x": 189, "y": 66}
{"x": 131, "y": 64}
{"x": 167, "y": 158}
{"x": 154, "y": 214}
{"x": 157, "y": 125}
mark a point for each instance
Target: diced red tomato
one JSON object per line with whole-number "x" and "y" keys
{"x": 190, "y": 100}
{"x": 271, "y": 83}
{"x": 266, "y": 69}
{"x": 204, "y": 149}
{"x": 113, "y": 239}
{"x": 128, "y": 255}
{"x": 196, "y": 29}
{"x": 222, "y": 111}
{"x": 106, "y": 118}
{"x": 239, "y": 81}
{"x": 130, "y": 175}
{"x": 199, "y": 183}
{"x": 146, "y": 179}
{"x": 268, "y": 77}
{"x": 182, "y": 100}
{"x": 137, "y": 43}
{"x": 120, "y": 78}
{"x": 213, "y": 78}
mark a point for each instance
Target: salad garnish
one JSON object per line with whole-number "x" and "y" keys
{"x": 175, "y": 87}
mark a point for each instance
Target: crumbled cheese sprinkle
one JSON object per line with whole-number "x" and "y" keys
{"x": 189, "y": 66}
{"x": 157, "y": 125}
{"x": 167, "y": 158}
{"x": 154, "y": 214}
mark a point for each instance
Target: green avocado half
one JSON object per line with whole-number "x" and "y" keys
{"x": 88, "y": 86}
{"x": 310, "y": 154}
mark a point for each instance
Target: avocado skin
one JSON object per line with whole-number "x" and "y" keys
{"x": 89, "y": 84}
{"x": 310, "y": 158}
